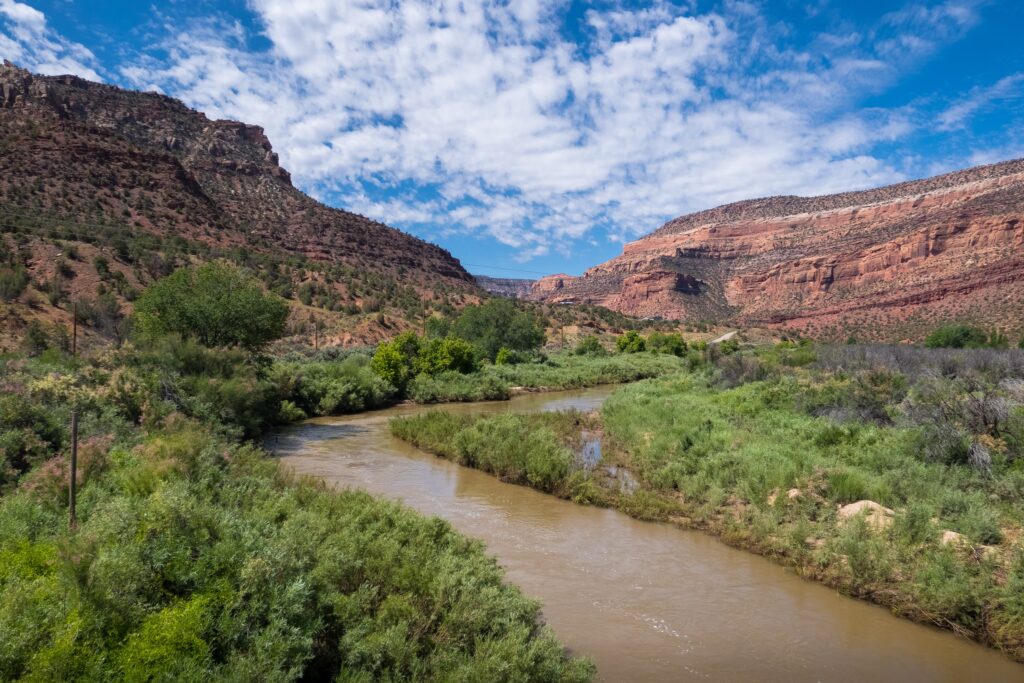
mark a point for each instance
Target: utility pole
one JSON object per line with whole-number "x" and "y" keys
{"x": 316, "y": 334}
{"x": 73, "y": 480}
{"x": 73, "y": 483}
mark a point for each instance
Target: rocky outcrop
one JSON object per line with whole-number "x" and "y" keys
{"x": 513, "y": 288}
{"x": 888, "y": 263}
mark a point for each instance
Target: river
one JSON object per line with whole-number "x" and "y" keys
{"x": 647, "y": 602}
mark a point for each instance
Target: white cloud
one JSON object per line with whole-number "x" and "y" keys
{"x": 481, "y": 116}
{"x": 26, "y": 40}
{"x": 957, "y": 116}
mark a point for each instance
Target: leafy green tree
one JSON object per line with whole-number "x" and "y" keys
{"x": 437, "y": 327}
{"x": 499, "y": 323}
{"x": 956, "y": 337}
{"x": 216, "y": 304}
{"x": 631, "y": 342}
{"x": 395, "y": 361}
{"x": 671, "y": 343}
{"x": 442, "y": 355}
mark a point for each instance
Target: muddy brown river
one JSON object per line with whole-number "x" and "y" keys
{"x": 647, "y": 602}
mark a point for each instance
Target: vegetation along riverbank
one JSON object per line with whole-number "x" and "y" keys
{"x": 892, "y": 473}
{"x": 195, "y": 556}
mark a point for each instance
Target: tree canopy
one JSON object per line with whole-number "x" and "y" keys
{"x": 499, "y": 323}
{"x": 216, "y": 304}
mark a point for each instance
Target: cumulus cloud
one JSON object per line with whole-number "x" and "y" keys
{"x": 482, "y": 116}
{"x": 26, "y": 40}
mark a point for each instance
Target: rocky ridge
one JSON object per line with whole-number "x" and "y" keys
{"x": 888, "y": 263}
{"x": 147, "y": 184}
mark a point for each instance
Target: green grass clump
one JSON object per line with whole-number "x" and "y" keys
{"x": 569, "y": 371}
{"x": 521, "y": 449}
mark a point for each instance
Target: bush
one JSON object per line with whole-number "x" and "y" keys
{"x": 957, "y": 337}
{"x": 215, "y": 304}
{"x": 672, "y": 343}
{"x": 631, "y": 342}
{"x": 35, "y": 340}
{"x": 13, "y": 281}
{"x": 395, "y": 361}
{"x": 197, "y": 559}
{"x": 449, "y": 354}
{"x": 331, "y": 388}
{"x": 590, "y": 346}
{"x": 449, "y": 387}
{"x": 517, "y": 448}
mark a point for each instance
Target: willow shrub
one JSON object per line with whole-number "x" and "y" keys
{"x": 200, "y": 560}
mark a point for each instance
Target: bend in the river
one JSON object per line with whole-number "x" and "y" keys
{"x": 648, "y": 602}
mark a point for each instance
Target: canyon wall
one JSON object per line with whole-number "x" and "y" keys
{"x": 889, "y": 263}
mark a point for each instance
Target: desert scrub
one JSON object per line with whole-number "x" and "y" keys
{"x": 198, "y": 559}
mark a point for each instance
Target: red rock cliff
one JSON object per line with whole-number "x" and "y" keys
{"x": 888, "y": 263}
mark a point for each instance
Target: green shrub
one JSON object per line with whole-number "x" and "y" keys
{"x": 671, "y": 343}
{"x": 13, "y": 282}
{"x": 197, "y": 559}
{"x": 395, "y": 361}
{"x": 449, "y": 387}
{"x": 590, "y": 346}
{"x": 331, "y": 388}
{"x": 446, "y": 355}
{"x": 630, "y": 342}
{"x": 957, "y": 337}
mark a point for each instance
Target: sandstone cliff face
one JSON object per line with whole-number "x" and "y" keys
{"x": 888, "y": 263}
{"x": 513, "y": 288}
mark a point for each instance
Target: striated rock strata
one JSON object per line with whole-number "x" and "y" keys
{"x": 888, "y": 263}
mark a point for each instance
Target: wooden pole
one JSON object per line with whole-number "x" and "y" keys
{"x": 73, "y": 483}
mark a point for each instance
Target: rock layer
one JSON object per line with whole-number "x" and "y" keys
{"x": 889, "y": 263}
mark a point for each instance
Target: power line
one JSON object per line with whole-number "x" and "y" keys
{"x": 514, "y": 270}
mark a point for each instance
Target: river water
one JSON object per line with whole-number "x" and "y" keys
{"x": 647, "y": 602}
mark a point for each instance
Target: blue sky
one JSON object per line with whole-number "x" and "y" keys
{"x": 537, "y": 137}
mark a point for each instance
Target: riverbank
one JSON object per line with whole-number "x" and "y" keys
{"x": 644, "y": 601}
{"x": 755, "y": 466}
{"x": 198, "y": 557}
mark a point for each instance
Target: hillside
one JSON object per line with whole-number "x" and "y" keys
{"x": 103, "y": 189}
{"x": 514, "y": 288}
{"x": 888, "y": 263}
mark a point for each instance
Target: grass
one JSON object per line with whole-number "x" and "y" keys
{"x": 763, "y": 449}
{"x": 560, "y": 370}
